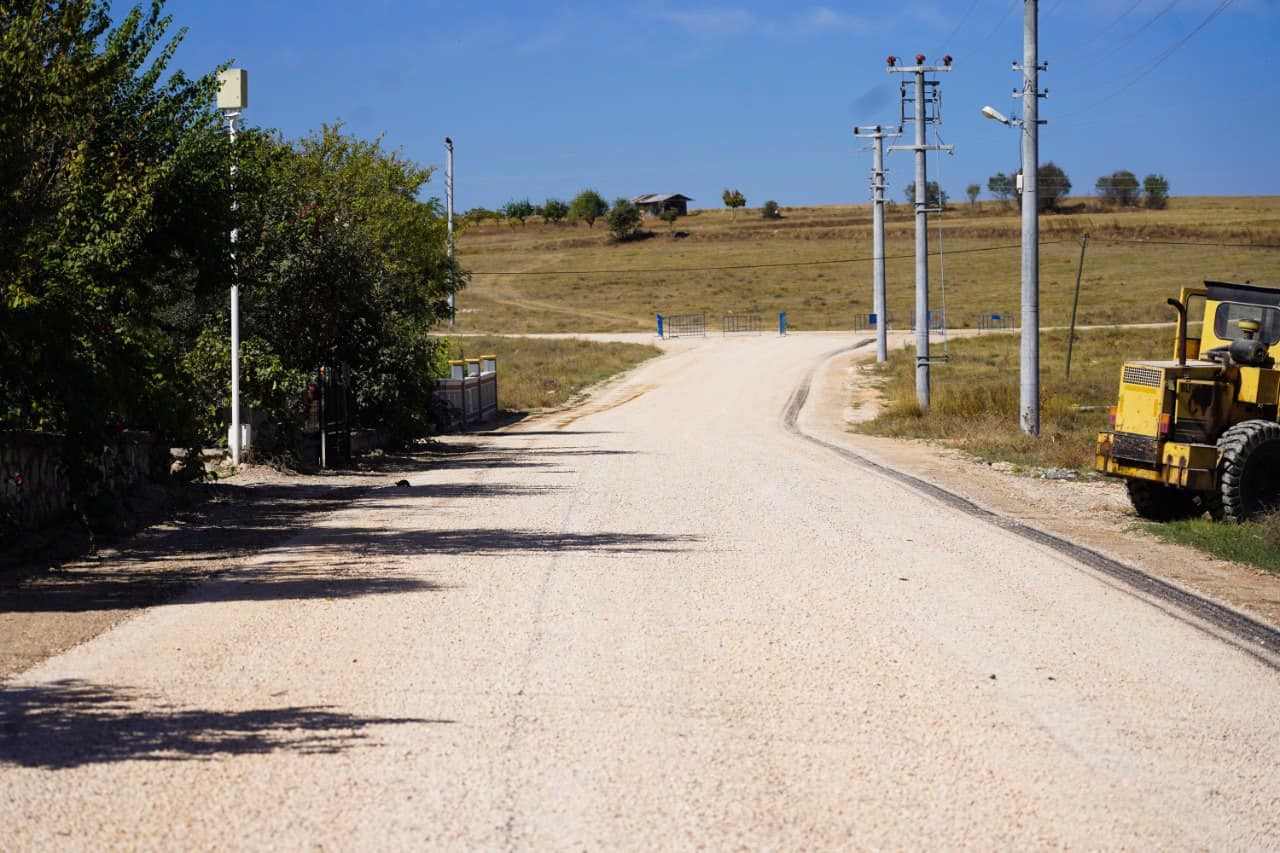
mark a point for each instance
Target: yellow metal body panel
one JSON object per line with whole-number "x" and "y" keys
{"x": 1189, "y": 466}
{"x": 1259, "y": 387}
{"x": 1138, "y": 410}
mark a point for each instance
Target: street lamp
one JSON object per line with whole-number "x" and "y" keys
{"x": 233, "y": 97}
{"x": 448, "y": 193}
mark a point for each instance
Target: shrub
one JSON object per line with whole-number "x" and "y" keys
{"x": 624, "y": 220}
{"x": 1155, "y": 188}
{"x": 771, "y": 210}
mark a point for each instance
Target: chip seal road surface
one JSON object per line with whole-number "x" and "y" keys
{"x": 673, "y": 624}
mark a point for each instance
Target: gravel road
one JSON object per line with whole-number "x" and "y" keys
{"x": 662, "y": 620}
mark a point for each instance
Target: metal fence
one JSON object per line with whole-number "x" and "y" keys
{"x": 994, "y": 322}
{"x": 741, "y": 324}
{"x": 866, "y": 322}
{"x": 937, "y": 319}
{"x": 682, "y": 325}
{"x": 471, "y": 392}
{"x": 329, "y": 415}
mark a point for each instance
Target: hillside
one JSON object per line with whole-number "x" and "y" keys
{"x": 814, "y": 264}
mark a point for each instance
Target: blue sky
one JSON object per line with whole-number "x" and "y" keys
{"x": 545, "y": 98}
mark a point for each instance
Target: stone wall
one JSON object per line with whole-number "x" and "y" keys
{"x": 34, "y": 488}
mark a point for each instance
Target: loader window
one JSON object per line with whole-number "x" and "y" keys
{"x": 1226, "y": 322}
{"x": 1195, "y": 322}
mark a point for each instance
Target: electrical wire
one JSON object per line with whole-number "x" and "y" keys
{"x": 963, "y": 19}
{"x": 1108, "y": 28}
{"x": 1156, "y": 63}
{"x": 780, "y": 264}
{"x": 1123, "y": 40}
{"x": 1003, "y": 18}
{"x": 1186, "y": 243}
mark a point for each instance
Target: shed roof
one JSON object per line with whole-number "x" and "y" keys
{"x": 655, "y": 198}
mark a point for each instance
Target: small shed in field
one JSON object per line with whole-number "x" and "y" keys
{"x": 654, "y": 204}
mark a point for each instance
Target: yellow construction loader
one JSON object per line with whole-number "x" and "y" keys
{"x": 1199, "y": 433}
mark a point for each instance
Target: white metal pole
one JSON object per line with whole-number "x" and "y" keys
{"x": 448, "y": 194}
{"x": 1030, "y": 356}
{"x": 922, "y": 250}
{"x": 232, "y": 117}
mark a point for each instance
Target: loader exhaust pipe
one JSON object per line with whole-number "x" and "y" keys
{"x": 1182, "y": 331}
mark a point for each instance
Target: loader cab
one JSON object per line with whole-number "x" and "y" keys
{"x": 1233, "y": 314}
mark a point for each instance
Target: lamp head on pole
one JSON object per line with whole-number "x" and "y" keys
{"x": 233, "y": 89}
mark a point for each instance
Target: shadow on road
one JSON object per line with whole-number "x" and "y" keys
{"x": 73, "y": 723}
{"x": 486, "y": 540}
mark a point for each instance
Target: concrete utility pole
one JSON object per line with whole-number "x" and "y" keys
{"x": 448, "y": 195}
{"x": 1031, "y": 95}
{"x": 878, "y": 134}
{"x": 927, "y": 111}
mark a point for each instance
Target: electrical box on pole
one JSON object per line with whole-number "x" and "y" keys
{"x": 233, "y": 89}
{"x": 921, "y": 103}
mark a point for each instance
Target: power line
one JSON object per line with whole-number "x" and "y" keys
{"x": 1100, "y": 33}
{"x": 1156, "y": 63}
{"x": 946, "y": 43}
{"x": 1125, "y": 39}
{"x": 1187, "y": 243}
{"x": 824, "y": 262}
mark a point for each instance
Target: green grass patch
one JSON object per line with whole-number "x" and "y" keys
{"x": 542, "y": 373}
{"x": 975, "y": 395}
{"x": 1256, "y": 542}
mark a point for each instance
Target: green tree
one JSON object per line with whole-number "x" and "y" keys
{"x": 624, "y": 220}
{"x": 1155, "y": 191}
{"x": 733, "y": 199}
{"x": 771, "y": 210}
{"x": 113, "y": 209}
{"x": 934, "y": 195}
{"x": 518, "y": 209}
{"x": 587, "y": 206}
{"x": 554, "y": 210}
{"x": 1001, "y": 186}
{"x": 669, "y": 216}
{"x": 973, "y": 191}
{"x": 342, "y": 263}
{"x": 1119, "y": 188}
{"x": 1052, "y": 187}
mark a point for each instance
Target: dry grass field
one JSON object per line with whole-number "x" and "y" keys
{"x": 541, "y": 373}
{"x": 807, "y": 264}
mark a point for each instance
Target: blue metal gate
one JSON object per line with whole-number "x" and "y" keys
{"x": 683, "y": 325}
{"x": 738, "y": 324}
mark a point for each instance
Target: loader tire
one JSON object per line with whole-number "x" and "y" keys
{"x": 1249, "y": 469}
{"x": 1158, "y": 502}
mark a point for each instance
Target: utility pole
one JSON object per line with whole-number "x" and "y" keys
{"x": 233, "y": 97}
{"x": 927, "y": 110}
{"x": 448, "y": 195}
{"x": 878, "y": 134}
{"x": 1031, "y": 95}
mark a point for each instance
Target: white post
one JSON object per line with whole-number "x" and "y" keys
{"x": 233, "y": 96}
{"x": 448, "y": 194}
{"x": 232, "y": 117}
